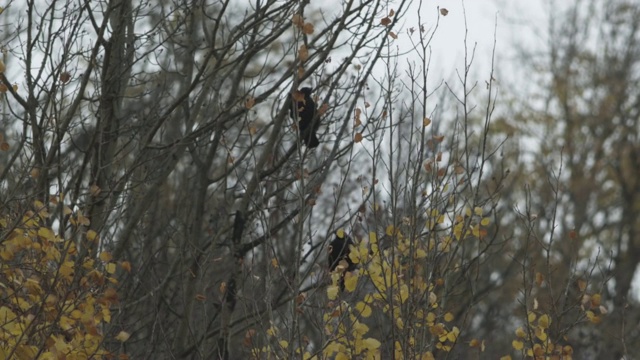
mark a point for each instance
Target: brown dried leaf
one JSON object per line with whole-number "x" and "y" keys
{"x": 357, "y": 121}
{"x": 65, "y": 77}
{"x": 323, "y": 109}
{"x": 250, "y": 103}
{"x": 303, "y": 53}
{"x": 582, "y": 285}
{"x": 297, "y": 20}
{"x": 391, "y": 13}
{"x": 385, "y": 21}
{"x": 94, "y": 190}
{"x": 4, "y": 146}
{"x": 426, "y": 121}
{"x": 444, "y": 12}
{"x": 308, "y": 28}
{"x": 358, "y": 137}
{"x": 252, "y": 128}
{"x": 427, "y": 165}
{"x": 393, "y": 35}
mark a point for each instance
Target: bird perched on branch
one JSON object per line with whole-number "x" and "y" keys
{"x": 302, "y": 104}
{"x": 339, "y": 255}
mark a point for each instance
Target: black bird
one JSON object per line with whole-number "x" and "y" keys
{"x": 307, "y": 122}
{"x": 339, "y": 251}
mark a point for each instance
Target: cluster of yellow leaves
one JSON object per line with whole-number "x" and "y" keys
{"x": 591, "y": 304}
{"x": 52, "y": 302}
{"x": 387, "y": 272}
{"x": 534, "y": 341}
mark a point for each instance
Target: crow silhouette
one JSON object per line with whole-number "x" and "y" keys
{"x": 339, "y": 252}
{"x": 307, "y": 122}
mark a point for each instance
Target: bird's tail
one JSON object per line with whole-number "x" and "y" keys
{"x": 312, "y": 142}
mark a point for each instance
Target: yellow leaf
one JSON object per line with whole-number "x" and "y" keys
{"x": 371, "y": 343}
{"x": 518, "y": 345}
{"x": 350, "y": 281}
{"x": 373, "y": 238}
{"x": 433, "y": 298}
{"x": 427, "y": 356}
{"x": 364, "y": 309}
{"x": 91, "y": 235}
{"x": 521, "y": 333}
{"x": 390, "y": 229}
{"x": 111, "y": 268}
{"x": 123, "y": 336}
{"x": 485, "y": 221}
{"x": 283, "y": 344}
{"x": 106, "y": 315}
{"x": 332, "y": 292}
{"x": 507, "y": 357}
{"x": 541, "y": 334}
{"x": 478, "y": 211}
{"x": 105, "y": 256}
{"x": 531, "y": 317}
{"x": 66, "y": 269}
{"x": 340, "y": 233}
{"x": 46, "y": 234}
{"x": 448, "y": 317}
{"x": 360, "y": 328}
{"x": 274, "y": 263}
{"x": 544, "y": 321}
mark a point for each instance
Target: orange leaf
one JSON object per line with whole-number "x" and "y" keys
{"x": 358, "y": 137}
